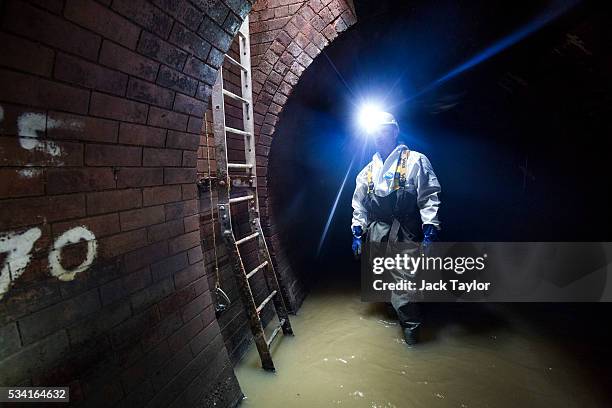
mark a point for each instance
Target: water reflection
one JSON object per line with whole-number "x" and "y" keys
{"x": 348, "y": 353}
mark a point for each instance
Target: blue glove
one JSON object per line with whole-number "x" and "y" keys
{"x": 357, "y": 233}
{"x": 430, "y": 235}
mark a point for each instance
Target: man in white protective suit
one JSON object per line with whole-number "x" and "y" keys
{"x": 396, "y": 200}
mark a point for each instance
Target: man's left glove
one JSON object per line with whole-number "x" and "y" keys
{"x": 357, "y": 234}
{"x": 430, "y": 235}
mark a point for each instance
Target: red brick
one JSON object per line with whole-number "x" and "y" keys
{"x": 218, "y": 37}
{"x": 166, "y": 230}
{"x": 192, "y": 223}
{"x": 168, "y": 266}
{"x": 122, "y": 59}
{"x": 181, "y": 209}
{"x": 110, "y": 201}
{"x": 330, "y": 33}
{"x": 30, "y": 90}
{"x": 13, "y": 154}
{"x": 29, "y": 211}
{"x": 147, "y": 92}
{"x": 195, "y": 254}
{"x": 145, "y": 14}
{"x": 320, "y": 41}
{"x": 182, "y": 10}
{"x": 161, "y": 157}
{"x": 141, "y": 135}
{"x": 71, "y": 180}
{"x": 190, "y": 191}
{"x": 184, "y": 278}
{"x": 305, "y": 60}
{"x": 22, "y": 182}
{"x": 39, "y": 25}
{"x": 204, "y": 92}
{"x": 184, "y": 242}
{"x": 101, "y": 20}
{"x": 118, "y": 108}
{"x": 100, "y": 226}
{"x": 167, "y": 119}
{"x": 76, "y": 127}
{"x": 189, "y": 41}
{"x": 189, "y": 105}
{"x": 195, "y": 125}
{"x": 199, "y": 69}
{"x": 89, "y": 75}
{"x": 176, "y": 80}
{"x": 161, "y": 195}
{"x": 179, "y": 175}
{"x": 139, "y": 177}
{"x": 182, "y": 140}
{"x": 17, "y": 53}
{"x": 118, "y": 244}
{"x": 162, "y": 51}
{"x": 189, "y": 158}
{"x": 112, "y": 155}
{"x": 187, "y": 332}
{"x": 146, "y": 256}
{"x": 143, "y": 217}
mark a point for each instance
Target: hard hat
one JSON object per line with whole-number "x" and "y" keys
{"x": 371, "y": 118}
{"x": 385, "y": 118}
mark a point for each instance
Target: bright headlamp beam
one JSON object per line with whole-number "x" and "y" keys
{"x": 499, "y": 46}
{"x": 369, "y": 117}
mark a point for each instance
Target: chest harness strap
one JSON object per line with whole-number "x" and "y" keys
{"x": 399, "y": 178}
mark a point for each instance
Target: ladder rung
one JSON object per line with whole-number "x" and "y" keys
{"x": 254, "y": 271}
{"x": 265, "y": 302}
{"x": 247, "y": 238}
{"x": 233, "y": 61}
{"x": 237, "y": 131}
{"x": 239, "y": 166}
{"x": 275, "y": 332}
{"x": 240, "y": 199}
{"x": 234, "y": 96}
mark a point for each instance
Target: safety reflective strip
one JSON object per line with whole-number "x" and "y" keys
{"x": 370, "y": 181}
{"x": 401, "y": 170}
{"x": 399, "y": 180}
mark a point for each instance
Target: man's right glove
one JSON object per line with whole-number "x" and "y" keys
{"x": 357, "y": 234}
{"x": 430, "y": 235}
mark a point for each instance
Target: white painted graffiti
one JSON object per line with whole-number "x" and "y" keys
{"x": 18, "y": 247}
{"x": 28, "y": 125}
{"x": 72, "y": 236}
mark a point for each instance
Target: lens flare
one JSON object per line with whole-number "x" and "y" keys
{"x": 369, "y": 117}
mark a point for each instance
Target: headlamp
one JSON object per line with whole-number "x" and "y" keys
{"x": 371, "y": 118}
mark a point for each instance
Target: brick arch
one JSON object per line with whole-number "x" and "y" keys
{"x": 285, "y": 40}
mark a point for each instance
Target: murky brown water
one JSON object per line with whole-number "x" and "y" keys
{"x": 351, "y": 354}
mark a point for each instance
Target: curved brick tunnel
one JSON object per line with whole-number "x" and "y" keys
{"x": 105, "y": 286}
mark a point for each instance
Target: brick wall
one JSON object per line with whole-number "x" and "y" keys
{"x": 286, "y": 36}
{"x": 103, "y": 283}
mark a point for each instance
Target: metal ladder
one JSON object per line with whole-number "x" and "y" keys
{"x": 248, "y": 182}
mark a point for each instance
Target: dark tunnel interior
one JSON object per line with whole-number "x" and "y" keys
{"x": 518, "y": 140}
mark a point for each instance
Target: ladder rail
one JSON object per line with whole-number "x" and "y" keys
{"x": 224, "y": 183}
